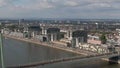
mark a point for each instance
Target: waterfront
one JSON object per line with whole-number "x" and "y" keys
{"x": 59, "y": 34}
{"x": 17, "y": 52}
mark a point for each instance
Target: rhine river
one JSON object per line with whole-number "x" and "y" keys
{"x": 18, "y": 52}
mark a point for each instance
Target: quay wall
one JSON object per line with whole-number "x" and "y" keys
{"x": 44, "y": 44}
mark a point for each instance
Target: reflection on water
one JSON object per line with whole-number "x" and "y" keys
{"x": 17, "y": 52}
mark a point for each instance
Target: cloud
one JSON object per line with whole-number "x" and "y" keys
{"x": 71, "y": 3}
{"x": 2, "y": 3}
{"x": 35, "y": 5}
{"x": 59, "y": 8}
{"x": 99, "y": 5}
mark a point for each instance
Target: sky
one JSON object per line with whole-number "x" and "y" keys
{"x": 85, "y": 9}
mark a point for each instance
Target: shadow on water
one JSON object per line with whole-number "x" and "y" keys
{"x": 114, "y": 60}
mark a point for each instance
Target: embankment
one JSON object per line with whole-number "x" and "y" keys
{"x": 80, "y": 52}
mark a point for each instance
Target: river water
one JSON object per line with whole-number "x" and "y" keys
{"x": 18, "y": 52}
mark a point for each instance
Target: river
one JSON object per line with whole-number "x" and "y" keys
{"x": 18, "y": 52}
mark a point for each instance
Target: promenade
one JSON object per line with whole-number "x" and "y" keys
{"x": 52, "y": 45}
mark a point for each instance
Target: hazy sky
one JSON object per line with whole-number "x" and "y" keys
{"x": 60, "y": 9}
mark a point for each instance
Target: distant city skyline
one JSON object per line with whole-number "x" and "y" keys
{"x": 81, "y": 9}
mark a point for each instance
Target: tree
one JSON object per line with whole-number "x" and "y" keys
{"x": 12, "y": 27}
{"x": 103, "y": 39}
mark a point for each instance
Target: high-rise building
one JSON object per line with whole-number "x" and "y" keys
{"x": 79, "y": 36}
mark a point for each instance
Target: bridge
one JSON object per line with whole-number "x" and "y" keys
{"x": 111, "y": 57}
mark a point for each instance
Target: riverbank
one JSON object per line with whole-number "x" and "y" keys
{"x": 61, "y": 47}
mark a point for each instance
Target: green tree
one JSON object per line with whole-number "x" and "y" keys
{"x": 103, "y": 38}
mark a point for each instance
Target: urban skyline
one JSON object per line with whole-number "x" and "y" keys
{"x": 85, "y": 9}
{"x": 59, "y": 33}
